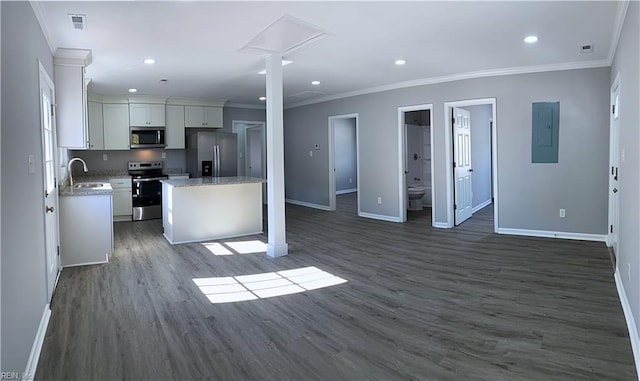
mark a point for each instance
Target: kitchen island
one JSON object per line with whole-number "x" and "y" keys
{"x": 209, "y": 208}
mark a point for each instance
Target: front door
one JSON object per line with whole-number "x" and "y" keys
{"x": 462, "y": 165}
{"x": 614, "y": 143}
{"x": 50, "y": 192}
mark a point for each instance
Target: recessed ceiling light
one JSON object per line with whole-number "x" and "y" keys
{"x": 263, "y": 98}
{"x": 133, "y": 90}
{"x": 530, "y": 39}
{"x": 149, "y": 61}
{"x": 315, "y": 83}
{"x": 400, "y": 62}
{"x": 284, "y": 63}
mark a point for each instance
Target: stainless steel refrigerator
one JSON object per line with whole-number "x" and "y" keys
{"x": 212, "y": 154}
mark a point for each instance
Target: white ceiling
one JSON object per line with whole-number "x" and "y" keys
{"x": 197, "y": 44}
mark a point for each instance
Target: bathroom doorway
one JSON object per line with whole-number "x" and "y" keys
{"x": 416, "y": 153}
{"x": 344, "y": 169}
{"x": 252, "y": 150}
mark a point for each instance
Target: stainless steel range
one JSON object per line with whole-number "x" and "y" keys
{"x": 146, "y": 189}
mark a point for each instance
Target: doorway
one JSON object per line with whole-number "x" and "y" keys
{"x": 614, "y": 143}
{"x": 252, "y": 150}
{"x": 344, "y": 165}
{"x": 50, "y": 196}
{"x": 470, "y": 159}
{"x": 415, "y": 137}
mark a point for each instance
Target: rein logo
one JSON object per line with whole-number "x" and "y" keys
{"x": 14, "y": 376}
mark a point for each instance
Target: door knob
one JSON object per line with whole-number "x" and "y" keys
{"x": 615, "y": 190}
{"x": 49, "y": 209}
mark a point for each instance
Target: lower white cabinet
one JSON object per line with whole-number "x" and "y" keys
{"x": 122, "y": 201}
{"x": 86, "y": 229}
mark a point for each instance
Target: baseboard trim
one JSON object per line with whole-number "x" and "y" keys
{"x": 441, "y": 225}
{"x": 631, "y": 323}
{"x": 480, "y": 206}
{"x": 552, "y": 234}
{"x": 379, "y": 217}
{"x": 307, "y": 204}
{"x": 34, "y": 356}
{"x": 344, "y": 191}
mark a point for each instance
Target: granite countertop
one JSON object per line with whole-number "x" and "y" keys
{"x": 203, "y": 181}
{"x": 105, "y": 189}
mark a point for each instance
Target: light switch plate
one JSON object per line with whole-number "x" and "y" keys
{"x": 164, "y": 155}
{"x": 105, "y": 157}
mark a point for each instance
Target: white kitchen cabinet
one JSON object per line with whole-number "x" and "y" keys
{"x": 116, "y": 126}
{"x": 146, "y": 115}
{"x": 96, "y": 129}
{"x": 174, "y": 132}
{"x": 203, "y": 116}
{"x": 122, "y": 201}
{"x": 86, "y": 229}
{"x": 71, "y": 110}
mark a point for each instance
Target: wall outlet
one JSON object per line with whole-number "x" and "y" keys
{"x": 379, "y": 200}
{"x": 164, "y": 155}
{"x": 105, "y": 157}
{"x": 563, "y": 213}
{"x": 310, "y": 153}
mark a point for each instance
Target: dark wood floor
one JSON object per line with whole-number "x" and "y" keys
{"x": 420, "y": 303}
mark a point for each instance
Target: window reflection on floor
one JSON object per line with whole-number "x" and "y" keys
{"x": 265, "y": 285}
{"x": 238, "y": 247}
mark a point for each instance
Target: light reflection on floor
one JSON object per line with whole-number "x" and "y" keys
{"x": 238, "y": 247}
{"x": 265, "y": 285}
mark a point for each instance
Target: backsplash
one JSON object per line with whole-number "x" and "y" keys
{"x": 117, "y": 160}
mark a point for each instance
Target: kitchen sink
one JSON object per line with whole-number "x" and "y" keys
{"x": 88, "y": 185}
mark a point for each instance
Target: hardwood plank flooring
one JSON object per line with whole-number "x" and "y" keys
{"x": 419, "y": 303}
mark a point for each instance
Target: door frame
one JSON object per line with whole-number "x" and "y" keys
{"x": 448, "y": 140}
{"x": 263, "y": 153}
{"x": 234, "y": 129}
{"x": 614, "y": 151}
{"x": 332, "y": 157}
{"x": 402, "y": 159}
{"x": 43, "y": 77}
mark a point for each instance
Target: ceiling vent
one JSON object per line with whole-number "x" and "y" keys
{"x": 78, "y": 22}
{"x": 586, "y": 48}
{"x": 305, "y": 95}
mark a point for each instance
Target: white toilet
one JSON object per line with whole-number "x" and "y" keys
{"x": 415, "y": 192}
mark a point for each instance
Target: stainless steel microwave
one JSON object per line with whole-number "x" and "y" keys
{"x": 147, "y": 137}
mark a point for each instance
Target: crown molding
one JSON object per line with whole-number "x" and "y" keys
{"x": 458, "y": 77}
{"x": 245, "y": 105}
{"x": 148, "y": 99}
{"x": 617, "y": 29}
{"x": 39, "y": 12}
{"x": 72, "y": 57}
{"x": 195, "y": 102}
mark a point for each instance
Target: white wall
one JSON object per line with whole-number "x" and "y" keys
{"x": 581, "y": 174}
{"x": 627, "y": 63}
{"x": 22, "y": 221}
{"x": 345, "y": 154}
{"x": 480, "y": 152}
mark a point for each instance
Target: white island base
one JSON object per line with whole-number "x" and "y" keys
{"x": 202, "y": 209}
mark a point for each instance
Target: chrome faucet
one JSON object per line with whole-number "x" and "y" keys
{"x": 85, "y": 169}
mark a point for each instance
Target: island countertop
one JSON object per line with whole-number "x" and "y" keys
{"x": 204, "y": 181}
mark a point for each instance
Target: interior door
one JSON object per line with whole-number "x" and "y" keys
{"x": 462, "y": 165}
{"x": 254, "y": 152}
{"x": 227, "y": 154}
{"x": 613, "y": 172}
{"x": 50, "y": 193}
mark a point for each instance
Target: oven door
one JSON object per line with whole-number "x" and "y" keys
{"x": 147, "y": 198}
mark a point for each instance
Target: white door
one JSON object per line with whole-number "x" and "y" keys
{"x": 50, "y": 192}
{"x": 614, "y": 159}
{"x": 254, "y": 152}
{"x": 462, "y": 169}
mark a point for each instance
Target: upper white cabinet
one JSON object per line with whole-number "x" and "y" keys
{"x": 203, "y": 116}
{"x": 116, "y": 126}
{"x": 96, "y": 129}
{"x": 146, "y": 115}
{"x": 174, "y": 131}
{"x": 71, "y": 97}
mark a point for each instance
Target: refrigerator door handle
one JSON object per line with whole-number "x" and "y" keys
{"x": 217, "y": 153}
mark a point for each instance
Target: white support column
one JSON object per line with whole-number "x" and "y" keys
{"x": 277, "y": 245}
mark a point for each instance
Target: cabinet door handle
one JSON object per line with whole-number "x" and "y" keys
{"x": 49, "y": 209}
